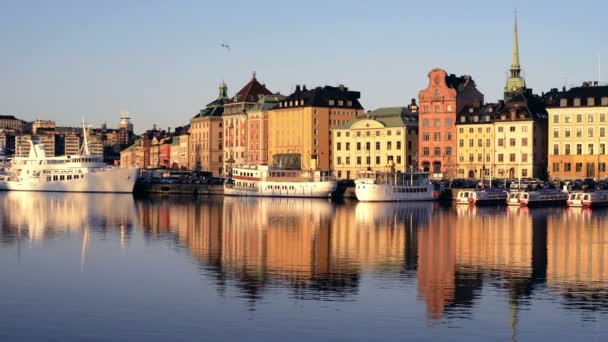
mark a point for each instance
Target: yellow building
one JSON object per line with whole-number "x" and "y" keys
{"x": 302, "y": 123}
{"x": 376, "y": 141}
{"x": 206, "y": 133}
{"x": 577, "y": 133}
{"x": 475, "y": 136}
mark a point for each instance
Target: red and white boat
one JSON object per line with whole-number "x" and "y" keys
{"x": 482, "y": 197}
{"x": 588, "y": 199}
{"x": 544, "y": 197}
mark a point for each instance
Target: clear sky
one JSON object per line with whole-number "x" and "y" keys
{"x": 161, "y": 60}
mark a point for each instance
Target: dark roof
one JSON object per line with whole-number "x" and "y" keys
{"x": 523, "y": 107}
{"x": 251, "y": 92}
{"x": 478, "y": 114}
{"x": 340, "y": 97}
{"x": 459, "y": 82}
{"x": 8, "y": 117}
{"x": 583, "y": 93}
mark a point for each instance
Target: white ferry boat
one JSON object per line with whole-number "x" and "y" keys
{"x": 374, "y": 186}
{"x": 588, "y": 199}
{"x": 544, "y": 197}
{"x": 271, "y": 181}
{"x": 482, "y": 197}
{"x": 77, "y": 173}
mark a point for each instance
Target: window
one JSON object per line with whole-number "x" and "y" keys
{"x": 425, "y": 151}
{"x": 590, "y": 132}
{"x": 339, "y": 160}
{"x": 388, "y": 145}
{"x": 568, "y": 119}
{"x": 448, "y": 136}
{"x": 524, "y": 141}
{"x": 348, "y": 146}
{"x": 398, "y": 145}
{"x": 567, "y": 149}
{"x": 579, "y": 132}
{"x": 338, "y": 134}
{"x": 602, "y": 132}
{"x": 589, "y": 117}
{"x": 339, "y": 146}
{"x": 461, "y": 130}
{"x": 479, "y": 158}
{"x": 358, "y": 146}
{"x": 437, "y": 151}
{"x": 602, "y": 167}
{"x": 524, "y": 172}
{"x": 368, "y": 146}
{"x": 501, "y": 157}
{"x": 567, "y": 167}
{"x": 471, "y": 142}
{"x": 590, "y": 149}
{"x": 579, "y": 149}
{"x": 377, "y": 145}
{"x": 512, "y": 129}
{"x": 579, "y": 167}
{"x": 448, "y": 122}
{"x": 471, "y": 130}
{"x": 437, "y": 109}
{"x": 512, "y": 157}
{"x": 500, "y": 129}
{"x": 479, "y": 142}
{"x": 437, "y": 123}
{"x": 512, "y": 142}
{"x": 425, "y": 136}
{"x": 461, "y": 143}
{"x": 437, "y": 136}
{"x": 448, "y": 108}
{"x": 555, "y": 118}
{"x": 398, "y": 159}
{"x": 556, "y": 149}
{"x": 425, "y": 123}
{"x": 524, "y": 157}
{"x": 555, "y": 167}
{"x": 377, "y": 160}
{"x": 602, "y": 117}
{"x": 368, "y": 160}
{"x": 567, "y": 133}
{"x": 347, "y": 160}
{"x": 501, "y": 142}
{"x": 358, "y": 160}
{"x": 471, "y": 158}
{"x": 448, "y": 151}
{"x": 602, "y": 148}
{"x": 556, "y": 132}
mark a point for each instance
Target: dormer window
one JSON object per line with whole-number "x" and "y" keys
{"x": 476, "y": 118}
{"x": 462, "y": 119}
{"x": 340, "y": 103}
{"x": 604, "y": 101}
{"x": 470, "y": 110}
{"x": 590, "y": 101}
{"x": 563, "y": 103}
{"x": 349, "y": 103}
{"x": 577, "y": 102}
{"x": 503, "y": 117}
{"x": 331, "y": 102}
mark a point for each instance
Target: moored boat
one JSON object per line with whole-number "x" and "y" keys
{"x": 486, "y": 196}
{"x": 588, "y": 199}
{"x": 543, "y": 197}
{"x": 272, "y": 181}
{"x": 575, "y": 199}
{"x": 374, "y": 186}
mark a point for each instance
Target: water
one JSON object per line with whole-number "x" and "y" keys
{"x": 113, "y": 268}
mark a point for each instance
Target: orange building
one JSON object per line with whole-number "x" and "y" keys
{"x": 257, "y": 129}
{"x": 445, "y": 96}
{"x": 302, "y": 123}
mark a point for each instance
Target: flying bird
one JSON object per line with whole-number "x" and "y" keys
{"x": 226, "y": 46}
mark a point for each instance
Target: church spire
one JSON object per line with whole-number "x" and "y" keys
{"x": 515, "y": 83}
{"x": 515, "y": 67}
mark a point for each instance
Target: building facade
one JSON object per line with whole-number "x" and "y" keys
{"x": 257, "y": 129}
{"x": 577, "y": 133}
{"x": 11, "y": 123}
{"x": 475, "y": 135}
{"x": 179, "y": 152}
{"x": 445, "y": 96}
{"x": 300, "y": 126}
{"x": 43, "y": 126}
{"x": 235, "y": 123}
{"x": 206, "y": 139}
{"x": 22, "y": 144}
{"x": 385, "y": 139}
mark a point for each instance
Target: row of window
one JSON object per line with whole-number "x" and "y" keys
{"x": 486, "y": 172}
{"x": 63, "y": 177}
{"x": 579, "y": 118}
{"x": 578, "y": 167}
{"x": 368, "y": 160}
{"x": 436, "y": 136}
{"x": 579, "y": 132}
{"x": 436, "y": 123}
{"x": 437, "y": 108}
{"x": 500, "y": 157}
{"x": 426, "y": 151}
{"x": 368, "y": 145}
{"x": 369, "y": 133}
{"x": 579, "y": 149}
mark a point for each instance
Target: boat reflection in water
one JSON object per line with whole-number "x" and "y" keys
{"x": 454, "y": 260}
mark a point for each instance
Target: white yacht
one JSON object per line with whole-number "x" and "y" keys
{"x": 76, "y": 173}
{"x": 374, "y": 186}
{"x": 272, "y": 181}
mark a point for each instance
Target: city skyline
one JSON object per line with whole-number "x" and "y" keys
{"x": 164, "y": 63}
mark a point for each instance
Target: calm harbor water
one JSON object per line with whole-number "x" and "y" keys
{"x": 113, "y": 268}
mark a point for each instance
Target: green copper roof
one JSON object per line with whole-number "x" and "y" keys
{"x": 388, "y": 117}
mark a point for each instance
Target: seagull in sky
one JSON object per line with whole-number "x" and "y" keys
{"x": 226, "y": 46}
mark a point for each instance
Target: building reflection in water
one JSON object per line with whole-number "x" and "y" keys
{"x": 321, "y": 250}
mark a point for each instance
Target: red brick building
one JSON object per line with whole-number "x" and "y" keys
{"x": 439, "y": 103}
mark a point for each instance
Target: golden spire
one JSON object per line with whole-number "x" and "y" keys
{"x": 515, "y": 63}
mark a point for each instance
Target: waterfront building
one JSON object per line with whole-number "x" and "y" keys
{"x": 128, "y": 156}
{"x": 22, "y": 144}
{"x": 299, "y": 127}
{"x": 43, "y": 127}
{"x": 206, "y": 136}
{"x": 445, "y": 96}
{"x": 71, "y": 145}
{"x": 377, "y": 141}
{"x": 95, "y": 145}
{"x": 125, "y": 130}
{"x": 11, "y": 123}
{"x": 235, "y": 122}
{"x": 475, "y": 136}
{"x": 257, "y": 129}
{"x": 577, "y": 133}
{"x": 520, "y": 127}
{"x": 179, "y": 152}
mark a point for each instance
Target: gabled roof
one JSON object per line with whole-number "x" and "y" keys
{"x": 251, "y": 92}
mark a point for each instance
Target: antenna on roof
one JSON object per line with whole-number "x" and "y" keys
{"x": 599, "y": 68}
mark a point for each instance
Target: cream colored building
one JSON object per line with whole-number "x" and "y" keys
{"x": 22, "y": 144}
{"x": 376, "y": 141}
{"x": 577, "y": 133}
{"x": 475, "y": 136}
{"x": 301, "y": 125}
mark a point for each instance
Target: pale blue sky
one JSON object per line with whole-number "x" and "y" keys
{"x": 161, "y": 60}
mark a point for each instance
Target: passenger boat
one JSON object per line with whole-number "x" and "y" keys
{"x": 75, "y": 173}
{"x": 272, "y": 181}
{"x": 374, "y": 186}
{"x": 543, "y": 197}
{"x": 513, "y": 198}
{"x": 588, "y": 199}
{"x": 482, "y": 197}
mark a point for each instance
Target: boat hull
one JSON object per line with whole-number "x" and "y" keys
{"x": 323, "y": 189}
{"x": 386, "y": 193}
{"x": 115, "y": 180}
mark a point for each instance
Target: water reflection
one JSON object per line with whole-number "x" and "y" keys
{"x": 319, "y": 250}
